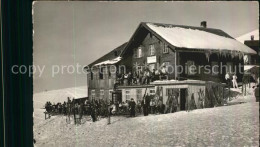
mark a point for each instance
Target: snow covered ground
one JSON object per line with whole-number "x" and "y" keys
{"x": 55, "y": 96}
{"x": 235, "y": 125}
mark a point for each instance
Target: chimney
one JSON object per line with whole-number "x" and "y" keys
{"x": 252, "y": 37}
{"x": 203, "y": 24}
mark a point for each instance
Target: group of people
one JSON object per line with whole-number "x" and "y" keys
{"x": 94, "y": 108}
{"x": 231, "y": 80}
{"x": 149, "y": 105}
{"x": 142, "y": 77}
{"x": 97, "y": 108}
{"x": 154, "y": 105}
{"x": 55, "y": 108}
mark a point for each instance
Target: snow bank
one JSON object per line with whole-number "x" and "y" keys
{"x": 55, "y": 96}
{"x": 197, "y": 39}
{"x": 61, "y": 95}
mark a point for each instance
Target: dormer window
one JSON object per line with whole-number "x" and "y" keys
{"x": 165, "y": 49}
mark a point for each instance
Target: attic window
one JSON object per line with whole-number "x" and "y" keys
{"x": 152, "y": 49}
{"x": 93, "y": 94}
{"x": 139, "y": 52}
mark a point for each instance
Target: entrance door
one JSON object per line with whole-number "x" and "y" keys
{"x": 117, "y": 97}
{"x": 182, "y": 98}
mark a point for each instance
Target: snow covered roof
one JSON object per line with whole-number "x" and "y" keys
{"x": 112, "y": 61}
{"x": 109, "y": 58}
{"x": 192, "y": 38}
{"x": 248, "y": 67}
{"x": 247, "y": 36}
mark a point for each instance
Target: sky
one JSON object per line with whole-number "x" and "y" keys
{"x": 71, "y": 34}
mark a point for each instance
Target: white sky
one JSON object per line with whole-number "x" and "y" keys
{"x": 67, "y": 33}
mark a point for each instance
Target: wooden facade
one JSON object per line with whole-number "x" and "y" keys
{"x": 148, "y": 50}
{"x": 205, "y": 94}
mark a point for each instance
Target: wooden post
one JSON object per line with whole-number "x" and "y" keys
{"x": 108, "y": 119}
{"x": 229, "y": 92}
{"x": 175, "y": 72}
{"x": 223, "y": 93}
{"x": 245, "y": 89}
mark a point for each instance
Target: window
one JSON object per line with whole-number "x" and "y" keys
{"x": 150, "y": 34}
{"x": 127, "y": 94}
{"x": 166, "y": 63}
{"x": 152, "y": 91}
{"x": 215, "y": 68}
{"x": 139, "y": 69}
{"x": 110, "y": 94}
{"x": 135, "y": 53}
{"x": 109, "y": 74}
{"x": 139, "y": 95}
{"x": 169, "y": 91}
{"x": 165, "y": 49}
{"x": 101, "y": 73}
{"x": 93, "y": 94}
{"x": 91, "y": 75}
{"x": 139, "y": 52}
{"x": 247, "y": 59}
{"x": 191, "y": 69}
{"x": 152, "y": 49}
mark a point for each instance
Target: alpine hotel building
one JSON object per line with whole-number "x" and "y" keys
{"x": 153, "y": 45}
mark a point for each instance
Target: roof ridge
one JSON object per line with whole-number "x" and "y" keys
{"x": 179, "y": 25}
{"x": 210, "y": 30}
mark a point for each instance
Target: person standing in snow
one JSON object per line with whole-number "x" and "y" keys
{"x": 81, "y": 107}
{"x": 169, "y": 105}
{"x": 93, "y": 111}
{"x": 145, "y": 104}
{"x": 132, "y": 105}
{"x": 228, "y": 80}
{"x": 235, "y": 81}
{"x": 152, "y": 106}
{"x": 175, "y": 104}
{"x": 192, "y": 103}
